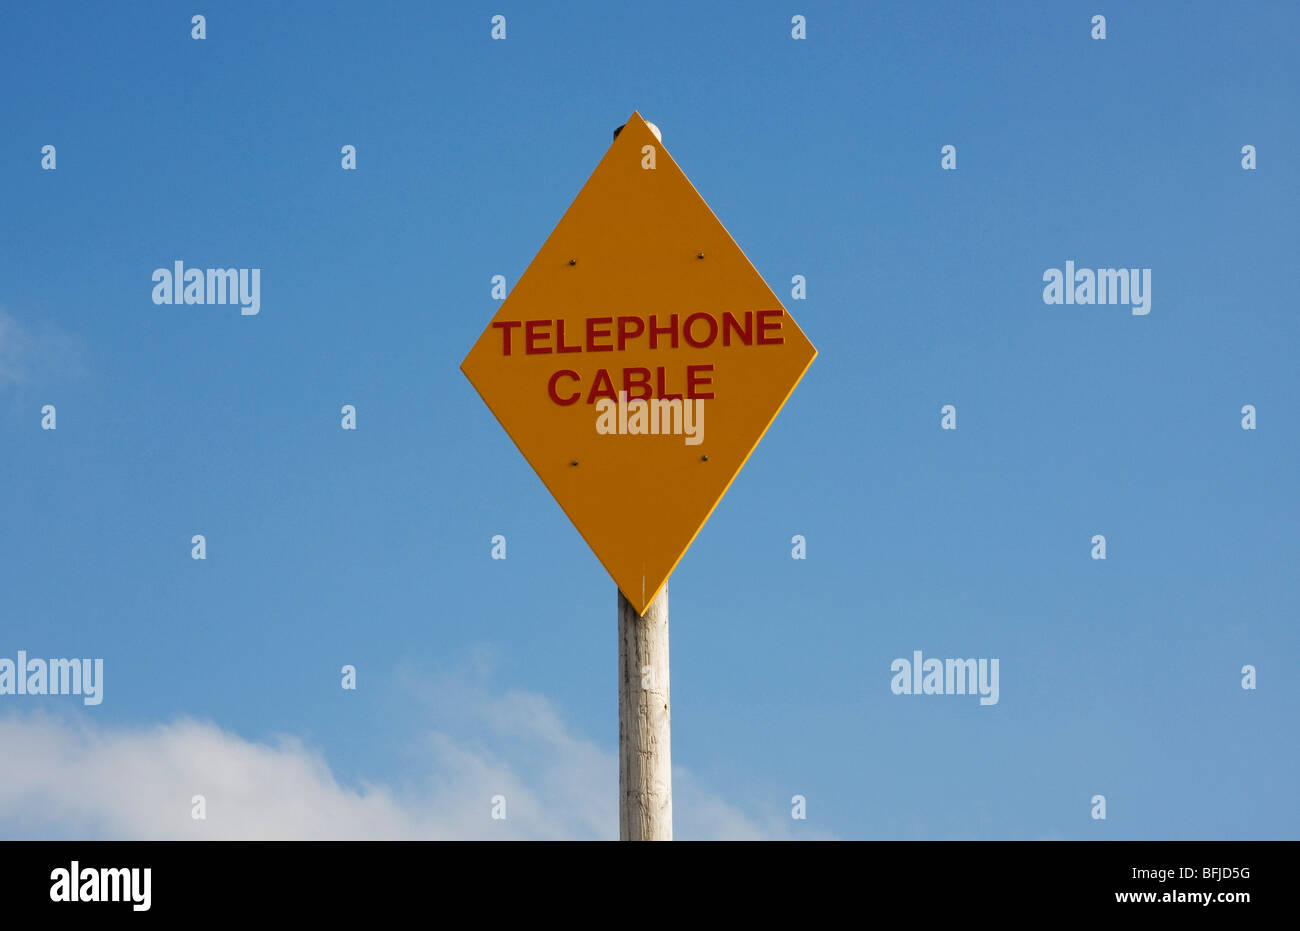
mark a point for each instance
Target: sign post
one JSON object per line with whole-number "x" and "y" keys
{"x": 636, "y": 364}
{"x": 645, "y": 759}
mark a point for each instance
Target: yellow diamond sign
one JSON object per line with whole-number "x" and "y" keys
{"x": 638, "y": 361}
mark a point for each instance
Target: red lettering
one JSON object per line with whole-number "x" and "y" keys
{"x": 663, "y": 390}
{"x": 625, "y": 333}
{"x": 713, "y": 330}
{"x": 655, "y": 331}
{"x": 764, "y": 326}
{"x": 531, "y": 336}
{"x": 550, "y": 387}
{"x": 505, "y": 333}
{"x": 730, "y": 324}
{"x": 642, "y": 382}
{"x": 597, "y": 391}
{"x": 559, "y": 339}
{"x": 592, "y": 334}
{"x": 692, "y": 379}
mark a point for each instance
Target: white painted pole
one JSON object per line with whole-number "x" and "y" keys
{"x": 645, "y": 760}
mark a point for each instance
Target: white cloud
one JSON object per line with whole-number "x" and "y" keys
{"x": 37, "y": 354}
{"x": 72, "y": 777}
{"x": 14, "y": 345}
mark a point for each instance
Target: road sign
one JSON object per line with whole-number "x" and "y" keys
{"x": 638, "y": 361}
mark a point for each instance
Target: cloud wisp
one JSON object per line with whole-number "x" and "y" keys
{"x": 70, "y": 776}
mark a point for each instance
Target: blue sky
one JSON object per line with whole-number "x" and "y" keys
{"x": 924, "y": 287}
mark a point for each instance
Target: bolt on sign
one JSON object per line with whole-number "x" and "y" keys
{"x": 638, "y": 361}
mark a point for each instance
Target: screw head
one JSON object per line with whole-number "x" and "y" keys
{"x": 574, "y": 462}
{"x": 573, "y": 261}
{"x": 704, "y": 458}
{"x": 699, "y": 255}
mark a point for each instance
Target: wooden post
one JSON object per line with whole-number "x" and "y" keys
{"x": 645, "y": 760}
